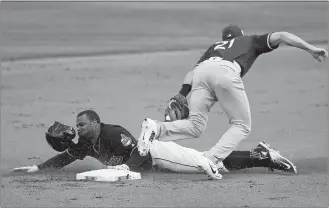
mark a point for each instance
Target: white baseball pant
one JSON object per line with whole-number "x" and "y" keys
{"x": 171, "y": 156}
{"x": 213, "y": 80}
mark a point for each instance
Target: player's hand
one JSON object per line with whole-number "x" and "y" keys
{"x": 27, "y": 169}
{"x": 119, "y": 167}
{"x": 319, "y": 54}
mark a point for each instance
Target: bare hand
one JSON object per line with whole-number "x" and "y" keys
{"x": 119, "y": 167}
{"x": 319, "y": 54}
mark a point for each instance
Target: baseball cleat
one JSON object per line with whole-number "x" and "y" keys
{"x": 208, "y": 167}
{"x": 260, "y": 151}
{"x": 148, "y": 134}
{"x": 150, "y": 129}
{"x": 278, "y": 161}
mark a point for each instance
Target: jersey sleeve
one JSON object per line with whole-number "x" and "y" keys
{"x": 79, "y": 150}
{"x": 58, "y": 161}
{"x": 261, "y": 43}
{"x": 123, "y": 138}
{"x": 121, "y": 142}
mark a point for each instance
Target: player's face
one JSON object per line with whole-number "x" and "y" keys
{"x": 84, "y": 126}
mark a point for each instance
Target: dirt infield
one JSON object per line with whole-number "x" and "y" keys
{"x": 287, "y": 91}
{"x": 288, "y": 112}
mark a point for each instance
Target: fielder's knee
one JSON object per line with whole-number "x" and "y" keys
{"x": 198, "y": 129}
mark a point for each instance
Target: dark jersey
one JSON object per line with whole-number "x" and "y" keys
{"x": 114, "y": 146}
{"x": 243, "y": 49}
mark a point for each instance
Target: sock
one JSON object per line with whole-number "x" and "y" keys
{"x": 241, "y": 159}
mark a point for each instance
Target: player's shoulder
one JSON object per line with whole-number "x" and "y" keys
{"x": 113, "y": 131}
{"x": 260, "y": 36}
{"x": 111, "y": 128}
{"x": 255, "y": 39}
{"x": 246, "y": 37}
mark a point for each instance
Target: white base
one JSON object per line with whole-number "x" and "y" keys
{"x": 108, "y": 175}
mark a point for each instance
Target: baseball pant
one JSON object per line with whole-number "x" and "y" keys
{"x": 173, "y": 157}
{"x": 214, "y": 80}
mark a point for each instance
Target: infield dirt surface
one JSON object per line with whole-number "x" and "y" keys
{"x": 125, "y": 60}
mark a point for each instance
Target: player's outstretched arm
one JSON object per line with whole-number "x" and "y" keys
{"x": 56, "y": 162}
{"x": 290, "y": 39}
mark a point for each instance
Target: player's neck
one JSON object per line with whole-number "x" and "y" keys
{"x": 95, "y": 136}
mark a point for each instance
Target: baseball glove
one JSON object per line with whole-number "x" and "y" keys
{"x": 177, "y": 108}
{"x": 59, "y": 136}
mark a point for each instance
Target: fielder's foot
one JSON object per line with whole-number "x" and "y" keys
{"x": 220, "y": 165}
{"x": 149, "y": 130}
{"x": 208, "y": 167}
{"x": 278, "y": 162}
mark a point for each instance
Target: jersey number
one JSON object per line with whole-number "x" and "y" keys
{"x": 224, "y": 44}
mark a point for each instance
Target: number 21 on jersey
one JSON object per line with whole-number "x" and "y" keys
{"x": 224, "y": 44}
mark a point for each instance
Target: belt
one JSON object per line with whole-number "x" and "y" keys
{"x": 217, "y": 58}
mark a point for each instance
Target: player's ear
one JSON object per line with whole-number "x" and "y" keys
{"x": 94, "y": 123}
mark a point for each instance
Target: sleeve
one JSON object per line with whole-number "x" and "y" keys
{"x": 58, "y": 161}
{"x": 127, "y": 140}
{"x": 78, "y": 151}
{"x": 186, "y": 89}
{"x": 126, "y": 146}
{"x": 262, "y": 44}
{"x": 121, "y": 142}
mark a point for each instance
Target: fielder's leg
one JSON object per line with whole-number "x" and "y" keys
{"x": 232, "y": 97}
{"x": 201, "y": 100}
{"x": 200, "y": 103}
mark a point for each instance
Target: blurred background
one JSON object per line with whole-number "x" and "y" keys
{"x": 43, "y": 29}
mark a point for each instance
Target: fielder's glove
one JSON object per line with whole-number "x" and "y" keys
{"x": 59, "y": 136}
{"x": 28, "y": 169}
{"x": 177, "y": 108}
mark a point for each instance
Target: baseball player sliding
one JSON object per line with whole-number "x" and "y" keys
{"x": 217, "y": 77}
{"x": 116, "y": 148}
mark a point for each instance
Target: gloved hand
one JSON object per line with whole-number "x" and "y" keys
{"x": 177, "y": 108}
{"x": 59, "y": 136}
{"x": 119, "y": 167}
